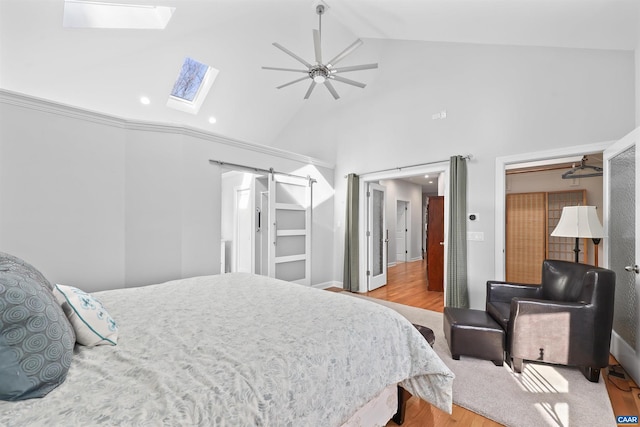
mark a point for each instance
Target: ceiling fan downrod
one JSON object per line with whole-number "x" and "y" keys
{"x": 320, "y": 12}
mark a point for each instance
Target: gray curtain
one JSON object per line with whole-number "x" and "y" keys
{"x": 351, "y": 280}
{"x": 457, "y": 292}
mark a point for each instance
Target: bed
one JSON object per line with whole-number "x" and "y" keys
{"x": 240, "y": 350}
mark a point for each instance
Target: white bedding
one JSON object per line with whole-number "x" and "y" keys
{"x": 238, "y": 350}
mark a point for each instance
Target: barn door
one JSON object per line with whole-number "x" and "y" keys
{"x": 290, "y": 220}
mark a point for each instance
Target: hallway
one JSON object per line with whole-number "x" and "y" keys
{"x": 407, "y": 284}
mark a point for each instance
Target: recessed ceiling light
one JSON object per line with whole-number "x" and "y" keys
{"x": 430, "y": 182}
{"x": 426, "y": 176}
{"x": 145, "y": 100}
{"x": 212, "y": 120}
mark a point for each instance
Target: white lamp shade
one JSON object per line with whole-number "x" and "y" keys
{"x": 579, "y": 221}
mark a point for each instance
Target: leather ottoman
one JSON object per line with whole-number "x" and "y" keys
{"x": 473, "y": 333}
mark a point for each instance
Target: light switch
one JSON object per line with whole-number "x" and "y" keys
{"x": 476, "y": 236}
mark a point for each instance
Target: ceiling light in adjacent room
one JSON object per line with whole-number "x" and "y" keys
{"x": 212, "y": 120}
{"x": 95, "y": 14}
{"x": 145, "y": 100}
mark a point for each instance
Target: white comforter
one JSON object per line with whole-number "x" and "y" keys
{"x": 238, "y": 350}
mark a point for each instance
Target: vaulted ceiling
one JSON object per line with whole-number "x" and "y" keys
{"x": 108, "y": 70}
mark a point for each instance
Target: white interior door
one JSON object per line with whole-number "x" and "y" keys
{"x": 290, "y": 220}
{"x": 265, "y": 240}
{"x": 376, "y": 237}
{"x": 401, "y": 231}
{"x": 243, "y": 247}
{"x": 622, "y": 246}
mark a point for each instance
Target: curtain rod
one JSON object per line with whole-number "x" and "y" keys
{"x": 399, "y": 168}
{"x": 254, "y": 169}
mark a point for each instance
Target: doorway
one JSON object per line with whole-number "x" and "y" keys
{"x": 502, "y": 165}
{"x": 535, "y": 198}
{"x": 381, "y": 240}
{"x": 266, "y": 224}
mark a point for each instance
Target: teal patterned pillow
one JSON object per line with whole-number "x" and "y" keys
{"x": 36, "y": 339}
{"x": 90, "y": 320}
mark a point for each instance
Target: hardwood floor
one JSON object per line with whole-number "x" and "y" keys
{"x": 407, "y": 284}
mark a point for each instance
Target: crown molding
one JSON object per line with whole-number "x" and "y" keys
{"x": 44, "y": 105}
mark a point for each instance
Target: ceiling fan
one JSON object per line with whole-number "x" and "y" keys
{"x": 321, "y": 72}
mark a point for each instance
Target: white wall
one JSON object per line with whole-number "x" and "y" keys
{"x": 398, "y": 189}
{"x": 101, "y": 203}
{"x": 500, "y": 100}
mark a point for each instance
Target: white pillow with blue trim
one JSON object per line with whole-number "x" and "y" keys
{"x": 91, "y": 322}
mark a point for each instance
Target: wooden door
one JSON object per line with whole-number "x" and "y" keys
{"x": 525, "y": 236}
{"x": 435, "y": 244}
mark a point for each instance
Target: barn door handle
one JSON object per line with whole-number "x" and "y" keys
{"x": 275, "y": 233}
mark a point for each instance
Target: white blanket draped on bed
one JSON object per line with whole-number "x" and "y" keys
{"x": 238, "y": 350}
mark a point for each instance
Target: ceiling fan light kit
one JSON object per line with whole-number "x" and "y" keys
{"x": 322, "y": 73}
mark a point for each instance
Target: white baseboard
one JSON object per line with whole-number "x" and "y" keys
{"x": 626, "y": 355}
{"x": 329, "y": 284}
{"x": 391, "y": 264}
{"x": 416, "y": 259}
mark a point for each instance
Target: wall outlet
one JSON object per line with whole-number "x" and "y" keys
{"x": 441, "y": 115}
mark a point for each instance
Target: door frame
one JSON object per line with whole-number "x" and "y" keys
{"x": 439, "y": 168}
{"x": 500, "y": 191}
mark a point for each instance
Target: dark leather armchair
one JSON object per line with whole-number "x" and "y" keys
{"x": 567, "y": 319}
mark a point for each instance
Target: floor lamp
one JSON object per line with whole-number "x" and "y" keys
{"x": 580, "y": 222}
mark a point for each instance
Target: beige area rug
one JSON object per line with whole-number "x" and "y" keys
{"x": 543, "y": 395}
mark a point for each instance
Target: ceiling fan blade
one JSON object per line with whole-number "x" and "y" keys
{"x": 293, "y": 55}
{"x": 285, "y": 69}
{"x": 316, "y": 45}
{"x": 348, "y": 81}
{"x": 346, "y": 52}
{"x": 313, "y": 84}
{"x": 329, "y": 86}
{"x": 354, "y": 68}
{"x": 290, "y": 83}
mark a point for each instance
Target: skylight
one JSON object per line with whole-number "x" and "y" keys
{"x": 188, "y": 82}
{"x": 95, "y": 14}
{"x": 191, "y": 86}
